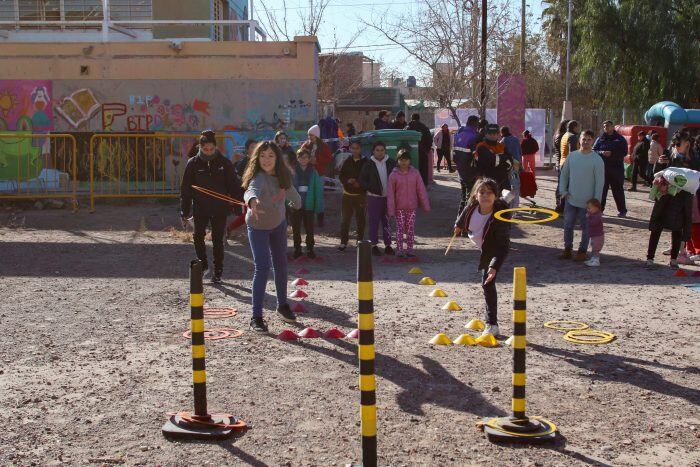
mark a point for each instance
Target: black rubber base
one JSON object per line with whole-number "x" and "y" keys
{"x": 508, "y": 429}
{"x": 176, "y": 427}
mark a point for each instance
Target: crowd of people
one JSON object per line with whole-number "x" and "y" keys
{"x": 279, "y": 186}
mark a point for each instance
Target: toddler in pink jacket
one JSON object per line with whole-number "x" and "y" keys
{"x": 405, "y": 191}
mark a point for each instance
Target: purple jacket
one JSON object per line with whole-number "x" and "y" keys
{"x": 405, "y": 191}
{"x": 465, "y": 140}
{"x": 595, "y": 224}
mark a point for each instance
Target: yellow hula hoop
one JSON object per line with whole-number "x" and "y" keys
{"x": 552, "y": 215}
{"x": 558, "y": 325}
{"x": 582, "y": 337}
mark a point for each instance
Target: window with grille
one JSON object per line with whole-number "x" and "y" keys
{"x": 124, "y": 10}
{"x": 218, "y": 15}
{"x": 73, "y": 10}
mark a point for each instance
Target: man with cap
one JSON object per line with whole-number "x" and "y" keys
{"x": 640, "y": 160}
{"x": 491, "y": 160}
{"x": 211, "y": 170}
{"x": 424, "y": 145}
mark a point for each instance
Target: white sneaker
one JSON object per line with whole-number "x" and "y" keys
{"x": 695, "y": 258}
{"x": 491, "y": 329}
{"x": 683, "y": 259}
{"x": 593, "y": 262}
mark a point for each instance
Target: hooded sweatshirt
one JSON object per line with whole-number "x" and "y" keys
{"x": 406, "y": 190}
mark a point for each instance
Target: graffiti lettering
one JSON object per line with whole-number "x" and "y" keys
{"x": 139, "y": 122}
{"x": 110, "y": 112}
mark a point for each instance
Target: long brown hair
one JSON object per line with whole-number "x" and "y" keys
{"x": 489, "y": 183}
{"x": 284, "y": 177}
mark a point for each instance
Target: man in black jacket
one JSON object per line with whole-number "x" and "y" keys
{"x": 374, "y": 177}
{"x": 354, "y": 196}
{"x": 211, "y": 170}
{"x": 426, "y": 142}
{"x": 612, "y": 147}
{"x": 640, "y": 160}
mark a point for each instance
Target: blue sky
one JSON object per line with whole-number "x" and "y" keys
{"x": 343, "y": 18}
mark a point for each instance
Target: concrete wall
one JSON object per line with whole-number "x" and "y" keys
{"x": 234, "y": 86}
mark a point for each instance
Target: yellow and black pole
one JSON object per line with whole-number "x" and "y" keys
{"x": 519, "y": 331}
{"x": 199, "y": 424}
{"x": 199, "y": 373}
{"x": 368, "y": 400}
{"x": 519, "y": 427}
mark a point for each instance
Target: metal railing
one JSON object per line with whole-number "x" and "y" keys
{"x": 36, "y": 166}
{"x": 128, "y": 165}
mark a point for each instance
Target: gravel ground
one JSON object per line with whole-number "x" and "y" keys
{"x": 93, "y": 358}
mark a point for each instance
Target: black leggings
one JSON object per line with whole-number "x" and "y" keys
{"x": 447, "y": 155}
{"x": 654, "y": 237}
{"x": 491, "y": 299}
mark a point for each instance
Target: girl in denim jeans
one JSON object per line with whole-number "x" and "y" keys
{"x": 268, "y": 185}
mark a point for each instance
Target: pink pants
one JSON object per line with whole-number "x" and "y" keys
{"x": 405, "y": 221}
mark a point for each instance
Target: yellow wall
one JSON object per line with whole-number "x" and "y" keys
{"x": 156, "y": 60}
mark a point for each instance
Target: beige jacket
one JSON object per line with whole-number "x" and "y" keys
{"x": 655, "y": 151}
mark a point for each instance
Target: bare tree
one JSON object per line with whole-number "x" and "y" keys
{"x": 444, "y": 38}
{"x": 276, "y": 21}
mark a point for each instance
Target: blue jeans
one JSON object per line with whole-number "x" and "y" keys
{"x": 572, "y": 216}
{"x": 269, "y": 247}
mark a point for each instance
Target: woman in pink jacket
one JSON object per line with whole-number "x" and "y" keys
{"x": 405, "y": 191}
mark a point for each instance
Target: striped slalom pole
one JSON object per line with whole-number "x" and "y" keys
{"x": 519, "y": 427}
{"x": 519, "y": 340}
{"x": 199, "y": 373}
{"x": 368, "y": 407}
{"x": 200, "y": 424}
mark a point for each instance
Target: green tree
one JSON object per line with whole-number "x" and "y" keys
{"x": 635, "y": 52}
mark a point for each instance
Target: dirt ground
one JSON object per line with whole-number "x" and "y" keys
{"x": 93, "y": 355}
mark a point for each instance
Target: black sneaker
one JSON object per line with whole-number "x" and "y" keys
{"x": 388, "y": 250}
{"x": 310, "y": 253}
{"x": 297, "y": 254}
{"x": 342, "y": 247}
{"x": 216, "y": 277}
{"x": 376, "y": 251}
{"x": 286, "y": 313}
{"x": 258, "y": 325}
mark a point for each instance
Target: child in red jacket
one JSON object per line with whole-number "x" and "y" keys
{"x": 405, "y": 191}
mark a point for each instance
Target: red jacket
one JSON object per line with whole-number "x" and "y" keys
{"x": 324, "y": 156}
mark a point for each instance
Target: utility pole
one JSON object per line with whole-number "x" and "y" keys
{"x": 567, "y": 111}
{"x": 484, "y": 16}
{"x": 522, "y": 39}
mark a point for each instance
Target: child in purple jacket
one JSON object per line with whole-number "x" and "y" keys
{"x": 405, "y": 191}
{"x": 594, "y": 217}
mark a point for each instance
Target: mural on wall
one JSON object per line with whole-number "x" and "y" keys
{"x": 184, "y": 106}
{"x": 78, "y": 108}
{"x": 25, "y": 105}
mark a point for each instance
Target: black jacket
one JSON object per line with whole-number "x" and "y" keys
{"x": 352, "y": 169}
{"x": 641, "y": 151}
{"x": 369, "y": 175}
{"x": 673, "y": 213}
{"x": 496, "y": 235}
{"x": 217, "y": 175}
{"x": 426, "y": 140}
{"x": 493, "y": 161}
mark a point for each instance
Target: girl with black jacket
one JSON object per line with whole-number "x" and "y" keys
{"x": 491, "y": 235}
